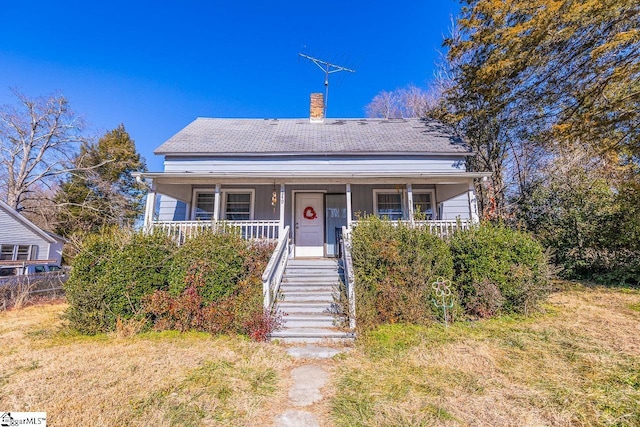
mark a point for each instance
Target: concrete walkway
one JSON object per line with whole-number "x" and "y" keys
{"x": 308, "y": 381}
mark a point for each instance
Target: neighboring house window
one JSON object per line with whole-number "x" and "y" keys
{"x": 388, "y": 204}
{"x": 238, "y": 206}
{"x": 22, "y": 254}
{"x": 6, "y": 253}
{"x": 15, "y": 252}
{"x": 204, "y": 205}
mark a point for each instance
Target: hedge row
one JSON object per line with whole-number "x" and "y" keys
{"x": 492, "y": 270}
{"x": 211, "y": 283}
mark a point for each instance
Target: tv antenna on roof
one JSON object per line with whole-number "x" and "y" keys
{"x": 327, "y": 68}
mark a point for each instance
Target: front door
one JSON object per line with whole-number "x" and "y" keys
{"x": 309, "y": 223}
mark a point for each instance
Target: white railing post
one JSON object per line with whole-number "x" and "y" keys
{"x": 149, "y": 210}
{"x": 282, "y": 210}
{"x": 410, "y": 202}
{"x": 349, "y": 213}
{"x": 216, "y": 203}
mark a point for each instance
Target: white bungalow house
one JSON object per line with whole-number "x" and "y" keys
{"x": 22, "y": 240}
{"x": 313, "y": 176}
{"x": 305, "y": 182}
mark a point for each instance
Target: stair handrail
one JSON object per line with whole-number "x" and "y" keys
{"x": 345, "y": 249}
{"x": 272, "y": 276}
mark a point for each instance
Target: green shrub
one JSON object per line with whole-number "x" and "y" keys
{"x": 395, "y": 266}
{"x": 220, "y": 260}
{"x": 212, "y": 283}
{"x": 590, "y": 220}
{"x": 110, "y": 276}
{"x": 201, "y": 303}
{"x": 498, "y": 270}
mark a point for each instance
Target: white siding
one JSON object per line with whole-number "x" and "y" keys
{"x": 13, "y": 232}
{"x": 55, "y": 252}
{"x": 456, "y": 207}
{"x": 345, "y": 165}
{"x": 262, "y": 206}
{"x": 171, "y": 209}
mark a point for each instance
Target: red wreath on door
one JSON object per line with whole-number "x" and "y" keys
{"x": 309, "y": 213}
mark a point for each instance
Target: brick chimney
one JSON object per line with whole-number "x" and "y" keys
{"x": 316, "y": 114}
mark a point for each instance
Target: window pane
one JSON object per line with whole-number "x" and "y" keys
{"x": 205, "y": 203}
{"x": 422, "y": 204}
{"x": 6, "y": 253}
{"x": 238, "y": 206}
{"x": 23, "y": 252}
{"x": 390, "y": 205}
{"x": 5, "y": 271}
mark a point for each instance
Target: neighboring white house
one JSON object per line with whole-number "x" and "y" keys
{"x": 314, "y": 175}
{"x": 21, "y": 240}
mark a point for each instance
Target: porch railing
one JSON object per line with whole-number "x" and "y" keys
{"x": 443, "y": 227}
{"x": 272, "y": 276}
{"x": 349, "y": 280}
{"x": 249, "y": 230}
{"x": 439, "y": 227}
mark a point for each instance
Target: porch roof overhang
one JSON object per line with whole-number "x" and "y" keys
{"x": 310, "y": 177}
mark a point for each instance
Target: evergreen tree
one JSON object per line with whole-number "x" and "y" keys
{"x": 101, "y": 192}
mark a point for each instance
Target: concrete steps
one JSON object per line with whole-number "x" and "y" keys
{"x": 306, "y": 302}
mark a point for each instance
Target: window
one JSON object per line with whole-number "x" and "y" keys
{"x": 16, "y": 252}
{"x": 204, "y": 205}
{"x": 238, "y": 206}
{"x": 8, "y": 271}
{"x": 6, "y": 253}
{"x": 388, "y": 205}
{"x": 423, "y": 205}
{"x": 23, "y": 252}
{"x": 393, "y": 204}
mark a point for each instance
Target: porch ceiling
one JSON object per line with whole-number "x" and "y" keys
{"x": 311, "y": 177}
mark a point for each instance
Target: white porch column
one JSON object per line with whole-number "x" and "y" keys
{"x": 410, "y": 202}
{"x": 150, "y": 208}
{"x": 282, "y": 201}
{"x": 473, "y": 203}
{"x": 349, "y": 215}
{"x": 216, "y": 203}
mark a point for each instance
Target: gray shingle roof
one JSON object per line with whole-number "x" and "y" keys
{"x": 205, "y": 136}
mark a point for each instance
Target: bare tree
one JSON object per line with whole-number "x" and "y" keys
{"x": 383, "y": 105}
{"x": 407, "y": 102}
{"x": 38, "y": 141}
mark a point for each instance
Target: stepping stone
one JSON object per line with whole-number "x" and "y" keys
{"x": 295, "y": 418}
{"x": 307, "y": 382}
{"x": 315, "y": 352}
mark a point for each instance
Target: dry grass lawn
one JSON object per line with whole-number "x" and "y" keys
{"x": 151, "y": 379}
{"x": 577, "y": 363}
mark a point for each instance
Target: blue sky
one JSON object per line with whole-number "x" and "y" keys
{"x": 156, "y": 66}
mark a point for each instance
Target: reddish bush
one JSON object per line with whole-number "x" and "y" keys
{"x": 260, "y": 325}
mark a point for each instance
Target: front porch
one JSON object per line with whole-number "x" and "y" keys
{"x": 315, "y": 213}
